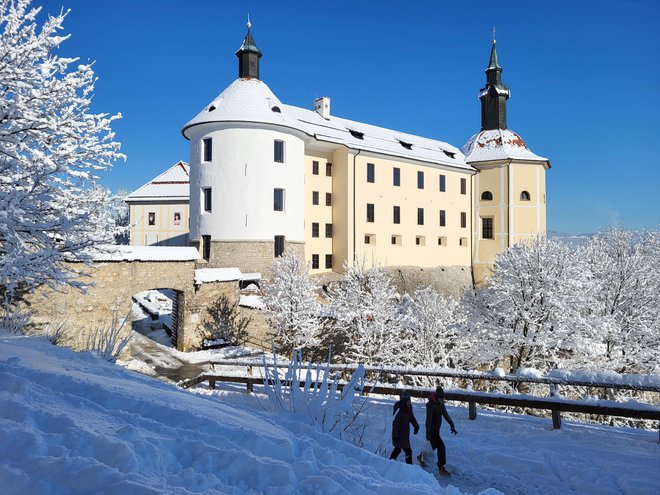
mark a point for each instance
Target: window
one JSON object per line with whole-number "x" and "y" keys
{"x": 420, "y": 180}
{"x": 443, "y": 218}
{"x": 207, "y": 149}
{"x": 278, "y": 199}
{"x": 487, "y": 228}
{"x": 328, "y": 231}
{"x": 279, "y": 245}
{"x": 370, "y": 212}
{"x": 463, "y": 186}
{"x": 328, "y": 261}
{"x": 152, "y": 218}
{"x": 397, "y": 214}
{"x": 315, "y": 262}
{"x": 371, "y": 173}
{"x": 463, "y": 220}
{"x": 279, "y": 151}
{"x": 328, "y": 172}
{"x": 207, "y": 198}
{"x": 396, "y": 240}
{"x": 442, "y": 241}
{"x": 177, "y": 218}
{"x": 315, "y": 168}
{"x": 315, "y": 229}
{"x": 443, "y": 182}
{"x": 420, "y": 216}
{"x": 524, "y": 196}
{"x": 369, "y": 239}
{"x": 462, "y": 241}
{"x": 396, "y": 176}
{"x": 328, "y": 199}
{"x": 420, "y": 240}
{"x": 315, "y": 198}
{"x": 487, "y": 196}
{"x": 206, "y": 247}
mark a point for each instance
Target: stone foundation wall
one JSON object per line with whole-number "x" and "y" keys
{"x": 447, "y": 280}
{"x": 248, "y": 256}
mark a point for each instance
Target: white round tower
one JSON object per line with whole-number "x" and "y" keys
{"x": 246, "y": 173}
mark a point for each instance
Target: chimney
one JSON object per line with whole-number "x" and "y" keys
{"x": 322, "y": 106}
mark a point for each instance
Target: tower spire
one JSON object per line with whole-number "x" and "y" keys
{"x": 248, "y": 56}
{"x": 494, "y": 95}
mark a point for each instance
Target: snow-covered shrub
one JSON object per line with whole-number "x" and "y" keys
{"x": 52, "y": 148}
{"x": 532, "y": 310}
{"x": 108, "y": 342}
{"x": 226, "y": 323}
{"x": 625, "y": 278}
{"x": 13, "y": 320}
{"x": 365, "y": 314}
{"x": 319, "y": 398}
{"x": 291, "y": 307}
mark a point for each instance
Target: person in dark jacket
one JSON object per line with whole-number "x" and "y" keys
{"x": 401, "y": 427}
{"x": 435, "y": 411}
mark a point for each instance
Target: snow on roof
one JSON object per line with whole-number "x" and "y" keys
{"x": 498, "y": 144}
{"x": 173, "y": 184}
{"x": 203, "y": 275}
{"x": 251, "y": 301}
{"x": 145, "y": 253}
{"x": 251, "y": 100}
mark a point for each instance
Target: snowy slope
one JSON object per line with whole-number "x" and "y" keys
{"x": 71, "y": 424}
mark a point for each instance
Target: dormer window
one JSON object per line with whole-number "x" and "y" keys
{"x": 276, "y": 109}
{"x": 407, "y": 146}
{"x": 524, "y": 196}
{"x": 211, "y": 108}
{"x": 356, "y": 134}
{"x": 487, "y": 196}
{"x": 450, "y": 154}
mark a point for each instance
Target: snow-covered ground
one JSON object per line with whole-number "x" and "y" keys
{"x": 70, "y": 423}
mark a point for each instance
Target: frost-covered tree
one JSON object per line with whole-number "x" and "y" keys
{"x": 51, "y": 147}
{"x": 431, "y": 321}
{"x": 625, "y": 269}
{"x": 291, "y": 307}
{"x": 119, "y": 211}
{"x": 531, "y": 310}
{"x": 364, "y": 308}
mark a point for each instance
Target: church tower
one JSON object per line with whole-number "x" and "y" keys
{"x": 509, "y": 188}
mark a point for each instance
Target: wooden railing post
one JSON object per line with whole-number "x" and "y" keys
{"x": 250, "y": 383}
{"x": 472, "y": 410}
{"x": 556, "y": 419}
{"x": 211, "y": 384}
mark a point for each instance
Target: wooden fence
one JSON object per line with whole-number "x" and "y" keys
{"x": 554, "y": 403}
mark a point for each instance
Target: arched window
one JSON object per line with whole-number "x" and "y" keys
{"x": 487, "y": 196}
{"x": 524, "y": 196}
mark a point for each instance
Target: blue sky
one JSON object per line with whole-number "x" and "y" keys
{"x": 583, "y": 76}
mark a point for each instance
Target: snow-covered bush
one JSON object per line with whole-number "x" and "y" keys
{"x": 625, "y": 280}
{"x": 364, "y": 309}
{"x": 532, "y": 310}
{"x": 226, "y": 323}
{"x": 12, "y": 320}
{"x": 431, "y": 322}
{"x": 52, "y": 147}
{"x": 319, "y": 398}
{"x": 108, "y": 342}
{"x": 291, "y": 307}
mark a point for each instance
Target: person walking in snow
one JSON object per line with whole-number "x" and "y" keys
{"x": 435, "y": 410}
{"x": 401, "y": 427}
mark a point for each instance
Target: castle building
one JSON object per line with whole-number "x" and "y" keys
{"x": 266, "y": 176}
{"x": 158, "y": 210}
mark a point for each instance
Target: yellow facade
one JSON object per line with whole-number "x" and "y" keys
{"x": 170, "y": 223}
{"x": 382, "y": 241}
{"x": 517, "y": 208}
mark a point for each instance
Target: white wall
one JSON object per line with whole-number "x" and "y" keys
{"x": 243, "y": 175}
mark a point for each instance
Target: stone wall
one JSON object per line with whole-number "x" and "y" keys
{"x": 248, "y": 256}
{"x": 447, "y": 280}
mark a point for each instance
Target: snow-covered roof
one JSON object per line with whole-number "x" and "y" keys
{"x": 205, "y": 275}
{"x": 498, "y": 144}
{"x": 251, "y": 301}
{"x": 173, "y": 184}
{"x": 251, "y": 100}
{"x": 145, "y": 253}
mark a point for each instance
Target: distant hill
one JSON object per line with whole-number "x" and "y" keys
{"x": 570, "y": 239}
